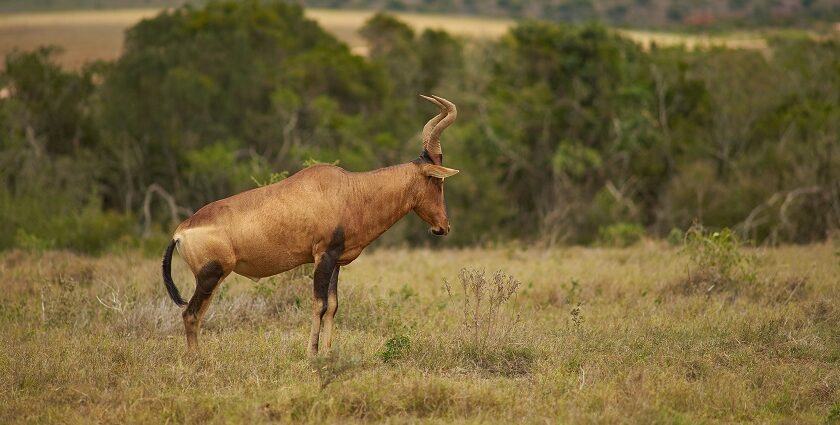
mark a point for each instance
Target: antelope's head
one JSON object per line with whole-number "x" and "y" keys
{"x": 431, "y": 206}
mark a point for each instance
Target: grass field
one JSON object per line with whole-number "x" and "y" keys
{"x": 602, "y": 336}
{"x": 98, "y": 34}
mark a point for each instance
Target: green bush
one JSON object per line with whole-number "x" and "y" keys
{"x": 620, "y": 234}
{"x": 833, "y": 415}
{"x": 716, "y": 259}
{"x": 30, "y": 242}
{"x": 54, "y": 220}
{"x": 676, "y": 237}
{"x": 92, "y": 230}
{"x": 395, "y": 348}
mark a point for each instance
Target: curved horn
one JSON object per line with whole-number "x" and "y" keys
{"x": 427, "y": 129}
{"x": 431, "y": 139}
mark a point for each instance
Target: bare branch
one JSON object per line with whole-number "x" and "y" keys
{"x": 174, "y": 209}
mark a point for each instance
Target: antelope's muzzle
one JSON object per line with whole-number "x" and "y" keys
{"x": 439, "y": 231}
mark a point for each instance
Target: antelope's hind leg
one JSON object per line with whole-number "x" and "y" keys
{"x": 206, "y": 281}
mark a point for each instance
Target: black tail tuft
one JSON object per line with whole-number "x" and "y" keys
{"x": 167, "y": 275}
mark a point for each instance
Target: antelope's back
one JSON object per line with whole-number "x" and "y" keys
{"x": 274, "y": 228}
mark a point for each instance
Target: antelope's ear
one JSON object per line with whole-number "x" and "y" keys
{"x": 438, "y": 171}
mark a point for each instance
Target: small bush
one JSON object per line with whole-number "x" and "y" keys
{"x": 620, "y": 235}
{"x": 482, "y": 301}
{"x": 92, "y": 230}
{"x": 834, "y": 415}
{"x": 270, "y": 179}
{"x": 676, "y": 237}
{"x": 29, "y": 242}
{"x": 395, "y": 348}
{"x": 716, "y": 259}
{"x": 55, "y": 221}
{"x": 312, "y": 161}
{"x": 487, "y": 339}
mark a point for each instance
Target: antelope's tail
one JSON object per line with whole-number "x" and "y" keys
{"x": 167, "y": 275}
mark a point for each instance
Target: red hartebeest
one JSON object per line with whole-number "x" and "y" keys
{"x": 322, "y": 214}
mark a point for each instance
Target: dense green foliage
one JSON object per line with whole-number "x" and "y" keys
{"x": 565, "y": 134}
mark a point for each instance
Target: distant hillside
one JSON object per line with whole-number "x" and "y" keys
{"x": 7, "y": 6}
{"x": 633, "y": 13}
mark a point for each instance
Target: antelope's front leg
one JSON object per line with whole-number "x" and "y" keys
{"x": 324, "y": 267}
{"x": 332, "y": 308}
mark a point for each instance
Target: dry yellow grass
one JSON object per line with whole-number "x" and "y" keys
{"x": 91, "y": 35}
{"x": 84, "y": 36}
{"x": 604, "y": 336}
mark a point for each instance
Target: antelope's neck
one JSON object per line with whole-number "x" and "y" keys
{"x": 380, "y": 198}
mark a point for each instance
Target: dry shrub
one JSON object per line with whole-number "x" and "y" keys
{"x": 63, "y": 299}
{"x": 482, "y": 301}
{"x": 489, "y": 339}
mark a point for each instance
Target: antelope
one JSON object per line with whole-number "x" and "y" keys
{"x": 322, "y": 214}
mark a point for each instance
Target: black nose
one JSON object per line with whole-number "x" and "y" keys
{"x": 440, "y": 231}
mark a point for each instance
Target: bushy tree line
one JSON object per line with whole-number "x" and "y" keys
{"x": 565, "y": 134}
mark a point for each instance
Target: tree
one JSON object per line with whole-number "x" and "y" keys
{"x": 247, "y": 81}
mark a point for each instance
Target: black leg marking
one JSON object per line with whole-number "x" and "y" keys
{"x": 333, "y": 289}
{"x": 205, "y": 282}
{"x": 328, "y": 269}
{"x": 322, "y": 281}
